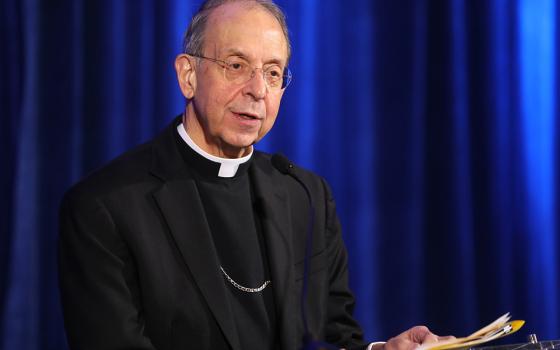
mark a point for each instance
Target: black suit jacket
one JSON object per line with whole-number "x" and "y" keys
{"x": 138, "y": 268}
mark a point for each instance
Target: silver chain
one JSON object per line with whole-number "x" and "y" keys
{"x": 243, "y": 288}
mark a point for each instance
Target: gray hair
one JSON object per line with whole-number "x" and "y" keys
{"x": 193, "y": 40}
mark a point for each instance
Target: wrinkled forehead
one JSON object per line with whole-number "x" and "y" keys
{"x": 246, "y": 28}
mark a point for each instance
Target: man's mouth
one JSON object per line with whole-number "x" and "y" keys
{"x": 248, "y": 116}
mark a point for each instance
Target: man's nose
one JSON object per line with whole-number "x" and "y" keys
{"x": 256, "y": 86}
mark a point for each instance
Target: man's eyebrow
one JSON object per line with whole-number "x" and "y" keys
{"x": 236, "y": 52}
{"x": 239, "y": 53}
{"x": 275, "y": 61}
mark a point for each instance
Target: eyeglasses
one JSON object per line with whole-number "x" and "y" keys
{"x": 238, "y": 71}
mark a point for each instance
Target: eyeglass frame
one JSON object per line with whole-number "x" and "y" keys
{"x": 287, "y": 74}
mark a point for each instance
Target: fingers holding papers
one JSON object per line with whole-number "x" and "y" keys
{"x": 413, "y": 338}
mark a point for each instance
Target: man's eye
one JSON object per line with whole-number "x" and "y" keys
{"x": 236, "y": 66}
{"x": 274, "y": 72}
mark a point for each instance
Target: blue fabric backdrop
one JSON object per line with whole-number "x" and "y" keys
{"x": 434, "y": 121}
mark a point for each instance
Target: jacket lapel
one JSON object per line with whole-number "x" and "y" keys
{"x": 179, "y": 201}
{"x": 273, "y": 203}
{"x": 180, "y": 204}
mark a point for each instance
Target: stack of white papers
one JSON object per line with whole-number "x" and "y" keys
{"x": 497, "y": 329}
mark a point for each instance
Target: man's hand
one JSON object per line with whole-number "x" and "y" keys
{"x": 411, "y": 339}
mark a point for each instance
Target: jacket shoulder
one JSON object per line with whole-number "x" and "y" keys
{"x": 131, "y": 167}
{"x": 142, "y": 165}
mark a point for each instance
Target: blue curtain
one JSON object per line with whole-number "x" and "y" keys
{"x": 435, "y": 122}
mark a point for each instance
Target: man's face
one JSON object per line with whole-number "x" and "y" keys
{"x": 232, "y": 117}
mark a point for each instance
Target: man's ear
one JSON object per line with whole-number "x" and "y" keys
{"x": 186, "y": 76}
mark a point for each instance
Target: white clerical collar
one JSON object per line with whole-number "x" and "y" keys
{"x": 228, "y": 167}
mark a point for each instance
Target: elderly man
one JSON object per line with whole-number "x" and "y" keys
{"x": 197, "y": 241}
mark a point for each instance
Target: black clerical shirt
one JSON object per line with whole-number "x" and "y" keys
{"x": 237, "y": 235}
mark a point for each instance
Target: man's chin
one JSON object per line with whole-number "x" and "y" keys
{"x": 238, "y": 149}
{"x": 242, "y": 142}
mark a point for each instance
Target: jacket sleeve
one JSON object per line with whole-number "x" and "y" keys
{"x": 98, "y": 283}
{"x": 342, "y": 329}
